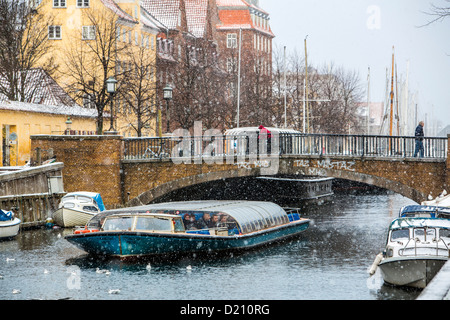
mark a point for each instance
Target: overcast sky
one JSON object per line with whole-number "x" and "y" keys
{"x": 358, "y": 34}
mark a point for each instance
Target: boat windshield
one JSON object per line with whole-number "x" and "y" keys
{"x": 399, "y": 234}
{"x": 154, "y": 224}
{"x": 444, "y": 233}
{"x": 424, "y": 234}
{"x": 118, "y": 223}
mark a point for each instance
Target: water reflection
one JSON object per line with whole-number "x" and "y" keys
{"x": 329, "y": 261}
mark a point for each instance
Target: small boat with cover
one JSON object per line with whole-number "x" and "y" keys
{"x": 9, "y": 225}
{"x": 77, "y": 208}
{"x": 175, "y": 228}
{"x": 416, "y": 249}
{"x": 422, "y": 211}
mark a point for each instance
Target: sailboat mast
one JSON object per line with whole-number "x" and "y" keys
{"x": 391, "y": 119}
{"x": 397, "y": 117}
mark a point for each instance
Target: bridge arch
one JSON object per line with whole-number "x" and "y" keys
{"x": 349, "y": 170}
{"x": 153, "y": 194}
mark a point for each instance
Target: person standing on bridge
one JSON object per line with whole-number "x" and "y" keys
{"x": 419, "y": 140}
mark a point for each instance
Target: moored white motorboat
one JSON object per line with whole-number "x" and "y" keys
{"x": 9, "y": 225}
{"x": 77, "y": 208}
{"x": 443, "y": 200}
{"x": 416, "y": 250}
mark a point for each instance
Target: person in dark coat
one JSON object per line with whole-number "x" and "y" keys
{"x": 419, "y": 140}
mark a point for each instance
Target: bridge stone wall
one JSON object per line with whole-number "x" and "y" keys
{"x": 94, "y": 163}
{"x": 413, "y": 178}
{"x": 91, "y": 163}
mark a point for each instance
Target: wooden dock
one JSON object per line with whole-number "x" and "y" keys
{"x": 32, "y": 193}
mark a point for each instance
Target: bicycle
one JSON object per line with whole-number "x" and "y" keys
{"x": 160, "y": 152}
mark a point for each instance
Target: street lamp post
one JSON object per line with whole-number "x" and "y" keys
{"x": 111, "y": 84}
{"x": 68, "y": 126}
{"x": 167, "y": 96}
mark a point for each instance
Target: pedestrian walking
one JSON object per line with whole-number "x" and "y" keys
{"x": 419, "y": 140}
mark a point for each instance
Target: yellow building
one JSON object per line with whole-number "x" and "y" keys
{"x": 18, "y": 121}
{"x": 93, "y": 40}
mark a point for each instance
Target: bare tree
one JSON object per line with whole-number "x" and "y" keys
{"x": 138, "y": 88}
{"x": 344, "y": 91}
{"x": 199, "y": 87}
{"x": 23, "y": 42}
{"x": 438, "y": 13}
{"x": 92, "y": 59}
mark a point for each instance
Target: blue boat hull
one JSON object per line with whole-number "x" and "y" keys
{"x": 131, "y": 244}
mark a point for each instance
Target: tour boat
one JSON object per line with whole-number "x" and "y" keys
{"x": 416, "y": 250}
{"x": 9, "y": 225}
{"x": 77, "y": 208}
{"x": 173, "y": 228}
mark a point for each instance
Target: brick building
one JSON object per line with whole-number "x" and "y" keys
{"x": 197, "y": 34}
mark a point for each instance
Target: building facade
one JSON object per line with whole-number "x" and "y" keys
{"x": 93, "y": 40}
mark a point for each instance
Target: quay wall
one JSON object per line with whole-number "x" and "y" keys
{"x": 447, "y": 174}
{"x": 91, "y": 163}
{"x": 32, "y": 193}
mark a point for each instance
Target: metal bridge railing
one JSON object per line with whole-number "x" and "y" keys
{"x": 288, "y": 144}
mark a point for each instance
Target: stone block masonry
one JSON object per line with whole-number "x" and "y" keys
{"x": 91, "y": 163}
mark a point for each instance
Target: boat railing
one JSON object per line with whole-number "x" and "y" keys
{"x": 440, "y": 251}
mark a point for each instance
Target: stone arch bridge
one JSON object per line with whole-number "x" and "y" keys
{"x": 135, "y": 171}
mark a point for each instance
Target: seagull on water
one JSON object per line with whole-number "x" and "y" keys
{"x": 114, "y": 291}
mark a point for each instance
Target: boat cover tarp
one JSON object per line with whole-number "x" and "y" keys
{"x": 250, "y": 215}
{"x": 420, "y": 223}
{"x": 6, "y": 215}
{"x": 96, "y": 196}
{"x": 442, "y": 201}
{"x": 423, "y": 208}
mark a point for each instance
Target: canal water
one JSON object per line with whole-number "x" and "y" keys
{"x": 328, "y": 262}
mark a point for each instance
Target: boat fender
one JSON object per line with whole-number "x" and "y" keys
{"x": 82, "y": 231}
{"x": 375, "y": 264}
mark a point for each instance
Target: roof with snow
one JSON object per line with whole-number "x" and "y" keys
{"x": 166, "y": 12}
{"x": 74, "y": 111}
{"x": 237, "y": 14}
{"x": 40, "y": 88}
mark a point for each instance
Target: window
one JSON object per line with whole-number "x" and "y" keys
{"x": 88, "y": 33}
{"x": 232, "y": 40}
{"x": 120, "y": 223}
{"x": 154, "y": 224}
{"x": 118, "y": 33}
{"x": 231, "y": 64}
{"x": 83, "y": 3}
{"x": 88, "y": 101}
{"x": 54, "y": 32}
{"x": 59, "y": 3}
